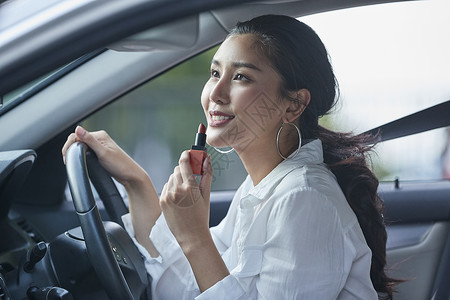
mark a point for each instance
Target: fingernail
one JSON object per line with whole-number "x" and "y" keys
{"x": 81, "y": 131}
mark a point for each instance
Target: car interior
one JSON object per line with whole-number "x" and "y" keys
{"x": 89, "y": 57}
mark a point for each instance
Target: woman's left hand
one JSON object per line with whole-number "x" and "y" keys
{"x": 185, "y": 203}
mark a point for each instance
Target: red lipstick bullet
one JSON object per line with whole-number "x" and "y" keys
{"x": 198, "y": 152}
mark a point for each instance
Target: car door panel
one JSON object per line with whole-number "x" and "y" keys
{"x": 417, "y": 217}
{"x": 417, "y": 263}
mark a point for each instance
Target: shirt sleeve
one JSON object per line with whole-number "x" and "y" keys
{"x": 172, "y": 276}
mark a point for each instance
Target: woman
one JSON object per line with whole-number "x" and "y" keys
{"x": 305, "y": 224}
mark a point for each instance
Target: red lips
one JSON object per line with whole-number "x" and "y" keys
{"x": 218, "y": 118}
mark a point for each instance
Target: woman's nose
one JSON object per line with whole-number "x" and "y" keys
{"x": 220, "y": 92}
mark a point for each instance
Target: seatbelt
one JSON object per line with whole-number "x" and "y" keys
{"x": 431, "y": 118}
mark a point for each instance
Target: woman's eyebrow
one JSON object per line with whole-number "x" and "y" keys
{"x": 238, "y": 65}
{"x": 246, "y": 65}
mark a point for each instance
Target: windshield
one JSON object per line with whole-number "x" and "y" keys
{"x": 21, "y": 94}
{"x": 18, "y": 17}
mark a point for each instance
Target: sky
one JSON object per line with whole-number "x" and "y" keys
{"x": 390, "y": 60}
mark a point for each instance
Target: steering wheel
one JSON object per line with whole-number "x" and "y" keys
{"x": 98, "y": 247}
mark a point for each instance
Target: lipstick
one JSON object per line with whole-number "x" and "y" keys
{"x": 197, "y": 154}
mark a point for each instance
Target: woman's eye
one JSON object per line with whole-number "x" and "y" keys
{"x": 241, "y": 77}
{"x": 214, "y": 73}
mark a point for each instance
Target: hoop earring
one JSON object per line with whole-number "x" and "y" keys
{"x": 299, "y": 141}
{"x": 224, "y": 151}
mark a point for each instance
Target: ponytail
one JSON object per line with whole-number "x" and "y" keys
{"x": 345, "y": 155}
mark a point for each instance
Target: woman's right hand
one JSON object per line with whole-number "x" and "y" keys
{"x": 142, "y": 198}
{"x": 119, "y": 164}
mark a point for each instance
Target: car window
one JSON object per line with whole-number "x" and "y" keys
{"x": 159, "y": 120}
{"x": 390, "y": 60}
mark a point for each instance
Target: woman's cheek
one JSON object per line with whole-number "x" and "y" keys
{"x": 205, "y": 96}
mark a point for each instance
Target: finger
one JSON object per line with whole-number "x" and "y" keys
{"x": 89, "y": 139}
{"x": 186, "y": 170}
{"x": 178, "y": 179}
{"x": 70, "y": 140}
{"x": 170, "y": 194}
{"x": 170, "y": 183}
{"x": 162, "y": 197}
{"x": 205, "y": 182}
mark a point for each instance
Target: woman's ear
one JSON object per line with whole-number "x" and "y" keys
{"x": 296, "y": 107}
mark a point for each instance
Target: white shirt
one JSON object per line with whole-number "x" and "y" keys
{"x": 292, "y": 236}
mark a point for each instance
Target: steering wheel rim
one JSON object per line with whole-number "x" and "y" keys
{"x": 106, "y": 188}
{"x": 98, "y": 248}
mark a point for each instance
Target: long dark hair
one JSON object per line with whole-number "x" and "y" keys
{"x": 299, "y": 56}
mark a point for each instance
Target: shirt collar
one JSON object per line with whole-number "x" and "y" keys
{"x": 311, "y": 153}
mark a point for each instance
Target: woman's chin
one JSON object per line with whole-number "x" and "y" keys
{"x": 216, "y": 142}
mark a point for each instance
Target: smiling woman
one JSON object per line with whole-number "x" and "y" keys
{"x": 237, "y": 73}
{"x": 270, "y": 71}
{"x": 293, "y": 233}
